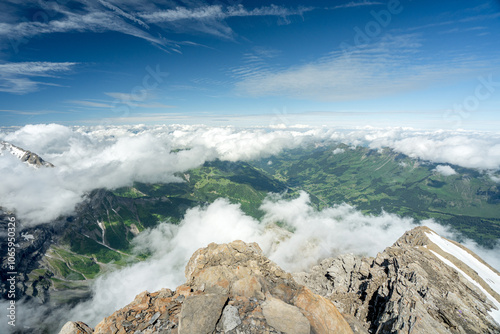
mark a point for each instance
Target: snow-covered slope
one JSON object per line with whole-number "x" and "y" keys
{"x": 471, "y": 267}
{"x": 25, "y": 156}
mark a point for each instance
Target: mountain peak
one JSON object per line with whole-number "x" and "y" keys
{"x": 28, "y": 157}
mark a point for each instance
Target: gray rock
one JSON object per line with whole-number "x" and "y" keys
{"x": 154, "y": 318}
{"x": 199, "y": 314}
{"x": 285, "y": 317}
{"x": 230, "y": 318}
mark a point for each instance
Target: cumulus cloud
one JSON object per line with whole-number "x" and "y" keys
{"x": 445, "y": 170}
{"x": 338, "y": 150}
{"x": 307, "y": 236}
{"x": 291, "y": 232}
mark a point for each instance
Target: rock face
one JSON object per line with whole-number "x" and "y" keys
{"x": 415, "y": 286}
{"x": 230, "y": 288}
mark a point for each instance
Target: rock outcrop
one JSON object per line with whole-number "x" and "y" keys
{"x": 230, "y": 288}
{"x": 419, "y": 285}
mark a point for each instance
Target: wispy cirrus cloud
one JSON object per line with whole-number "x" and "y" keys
{"x": 217, "y": 12}
{"x": 92, "y": 104}
{"x": 393, "y": 65}
{"x": 211, "y": 19}
{"x": 147, "y": 21}
{"x": 143, "y": 99}
{"x": 17, "y": 78}
{"x": 357, "y": 4}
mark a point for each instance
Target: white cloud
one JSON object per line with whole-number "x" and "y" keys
{"x": 90, "y": 18}
{"x": 92, "y": 157}
{"x": 129, "y": 18}
{"x": 17, "y": 77}
{"x": 358, "y": 4}
{"x": 92, "y": 104}
{"x": 469, "y": 149}
{"x": 318, "y": 234}
{"x": 445, "y": 170}
{"x": 338, "y": 150}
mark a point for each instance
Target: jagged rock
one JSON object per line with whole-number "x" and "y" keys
{"x": 215, "y": 300}
{"x": 406, "y": 289}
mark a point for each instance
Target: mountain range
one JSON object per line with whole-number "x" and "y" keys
{"x": 64, "y": 257}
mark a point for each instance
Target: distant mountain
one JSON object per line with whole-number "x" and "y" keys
{"x": 66, "y": 255}
{"x": 422, "y": 284}
{"x": 25, "y": 156}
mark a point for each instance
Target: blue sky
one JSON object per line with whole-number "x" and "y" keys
{"x": 432, "y": 64}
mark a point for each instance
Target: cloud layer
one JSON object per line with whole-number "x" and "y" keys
{"x": 111, "y": 157}
{"x": 87, "y": 159}
{"x": 464, "y": 148}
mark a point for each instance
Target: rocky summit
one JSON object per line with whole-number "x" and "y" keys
{"x": 422, "y": 284}
{"x": 230, "y": 288}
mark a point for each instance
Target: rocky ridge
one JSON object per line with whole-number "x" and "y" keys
{"x": 28, "y": 157}
{"x": 230, "y": 288}
{"x": 418, "y": 285}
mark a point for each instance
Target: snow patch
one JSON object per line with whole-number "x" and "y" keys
{"x": 495, "y": 314}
